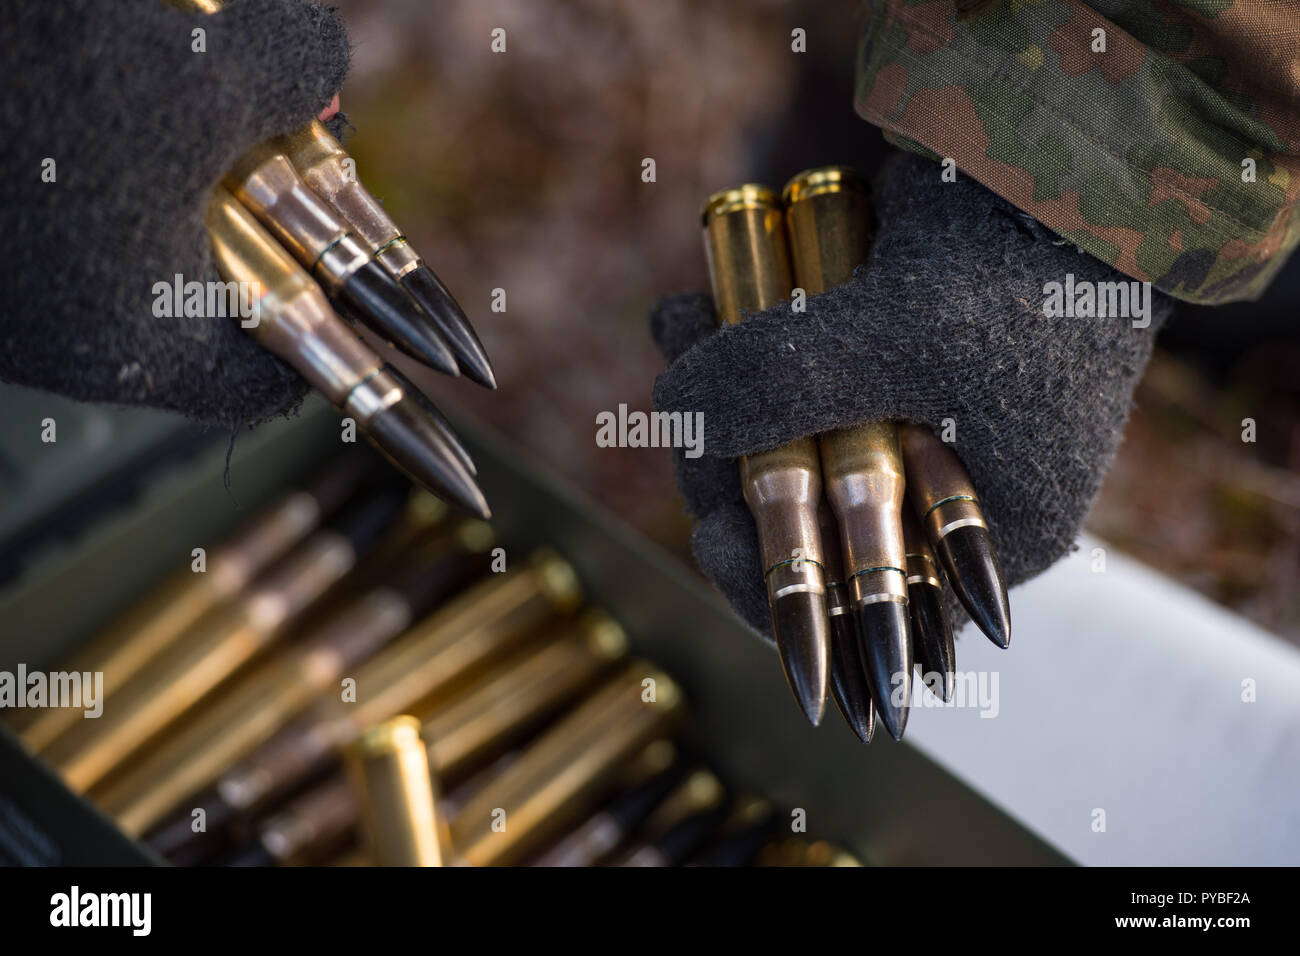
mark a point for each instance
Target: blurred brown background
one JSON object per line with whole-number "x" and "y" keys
{"x": 522, "y": 171}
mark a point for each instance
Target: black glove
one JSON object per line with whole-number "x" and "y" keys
{"x": 945, "y": 321}
{"x": 140, "y": 128}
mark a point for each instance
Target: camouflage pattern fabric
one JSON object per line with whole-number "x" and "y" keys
{"x": 1161, "y": 137}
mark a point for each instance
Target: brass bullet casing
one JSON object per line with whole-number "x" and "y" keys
{"x": 435, "y": 656}
{"x": 163, "y": 617}
{"x": 296, "y": 321}
{"x": 749, "y": 267}
{"x": 745, "y": 245}
{"x": 465, "y": 729}
{"x": 389, "y": 769}
{"x": 863, "y": 470}
{"x": 828, "y": 214}
{"x": 558, "y": 777}
{"x": 638, "y": 790}
{"x": 251, "y": 711}
{"x": 330, "y": 172}
{"x": 922, "y": 569}
{"x": 223, "y": 643}
{"x": 489, "y": 715}
{"x": 944, "y": 499}
{"x": 321, "y": 162}
{"x": 266, "y": 183}
{"x": 164, "y": 690}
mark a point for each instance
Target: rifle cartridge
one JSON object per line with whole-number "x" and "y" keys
{"x": 162, "y": 618}
{"x": 556, "y": 779}
{"x": 828, "y": 214}
{"x": 258, "y": 706}
{"x": 434, "y": 657}
{"x": 749, "y": 267}
{"x": 389, "y": 769}
{"x": 171, "y": 684}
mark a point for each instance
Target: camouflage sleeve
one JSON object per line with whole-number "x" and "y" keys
{"x": 1160, "y": 137}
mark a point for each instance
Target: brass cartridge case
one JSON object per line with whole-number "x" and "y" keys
{"x": 461, "y": 731}
{"x": 163, "y": 617}
{"x": 489, "y": 715}
{"x": 321, "y": 162}
{"x": 602, "y": 833}
{"x": 266, "y": 183}
{"x": 863, "y": 470}
{"x": 555, "y": 780}
{"x": 435, "y": 656}
{"x": 749, "y": 267}
{"x": 941, "y": 490}
{"x": 828, "y": 215}
{"x": 210, "y": 653}
{"x": 295, "y": 319}
{"x": 389, "y": 769}
{"x": 258, "y": 706}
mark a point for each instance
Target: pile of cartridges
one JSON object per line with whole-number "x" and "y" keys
{"x": 360, "y": 677}
{"x": 852, "y": 581}
{"x": 292, "y": 222}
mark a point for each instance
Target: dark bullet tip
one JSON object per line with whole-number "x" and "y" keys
{"x": 436, "y": 417}
{"x": 932, "y": 638}
{"x": 432, "y": 296}
{"x": 408, "y": 436}
{"x": 886, "y": 636}
{"x": 975, "y": 573}
{"x": 849, "y": 679}
{"x": 803, "y": 639}
{"x": 372, "y": 296}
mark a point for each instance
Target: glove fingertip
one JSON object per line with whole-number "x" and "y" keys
{"x": 282, "y": 61}
{"x": 680, "y": 321}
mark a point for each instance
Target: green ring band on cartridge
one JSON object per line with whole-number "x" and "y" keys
{"x": 391, "y": 242}
{"x": 944, "y": 501}
{"x": 781, "y": 564}
{"x": 324, "y": 252}
{"x": 368, "y": 378}
{"x": 885, "y": 567}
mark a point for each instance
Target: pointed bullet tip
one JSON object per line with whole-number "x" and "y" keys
{"x": 802, "y": 637}
{"x": 377, "y": 301}
{"x": 436, "y": 417}
{"x": 446, "y": 314}
{"x": 932, "y": 639}
{"x": 886, "y": 633}
{"x": 407, "y": 435}
{"x": 849, "y": 680}
{"x": 971, "y": 561}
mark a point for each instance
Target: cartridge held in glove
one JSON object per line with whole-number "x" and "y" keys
{"x": 749, "y": 265}
{"x": 828, "y": 214}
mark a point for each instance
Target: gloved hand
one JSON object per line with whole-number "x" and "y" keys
{"x": 945, "y": 321}
{"x": 140, "y": 126}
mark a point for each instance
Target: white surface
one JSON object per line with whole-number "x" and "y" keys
{"x": 1122, "y": 691}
